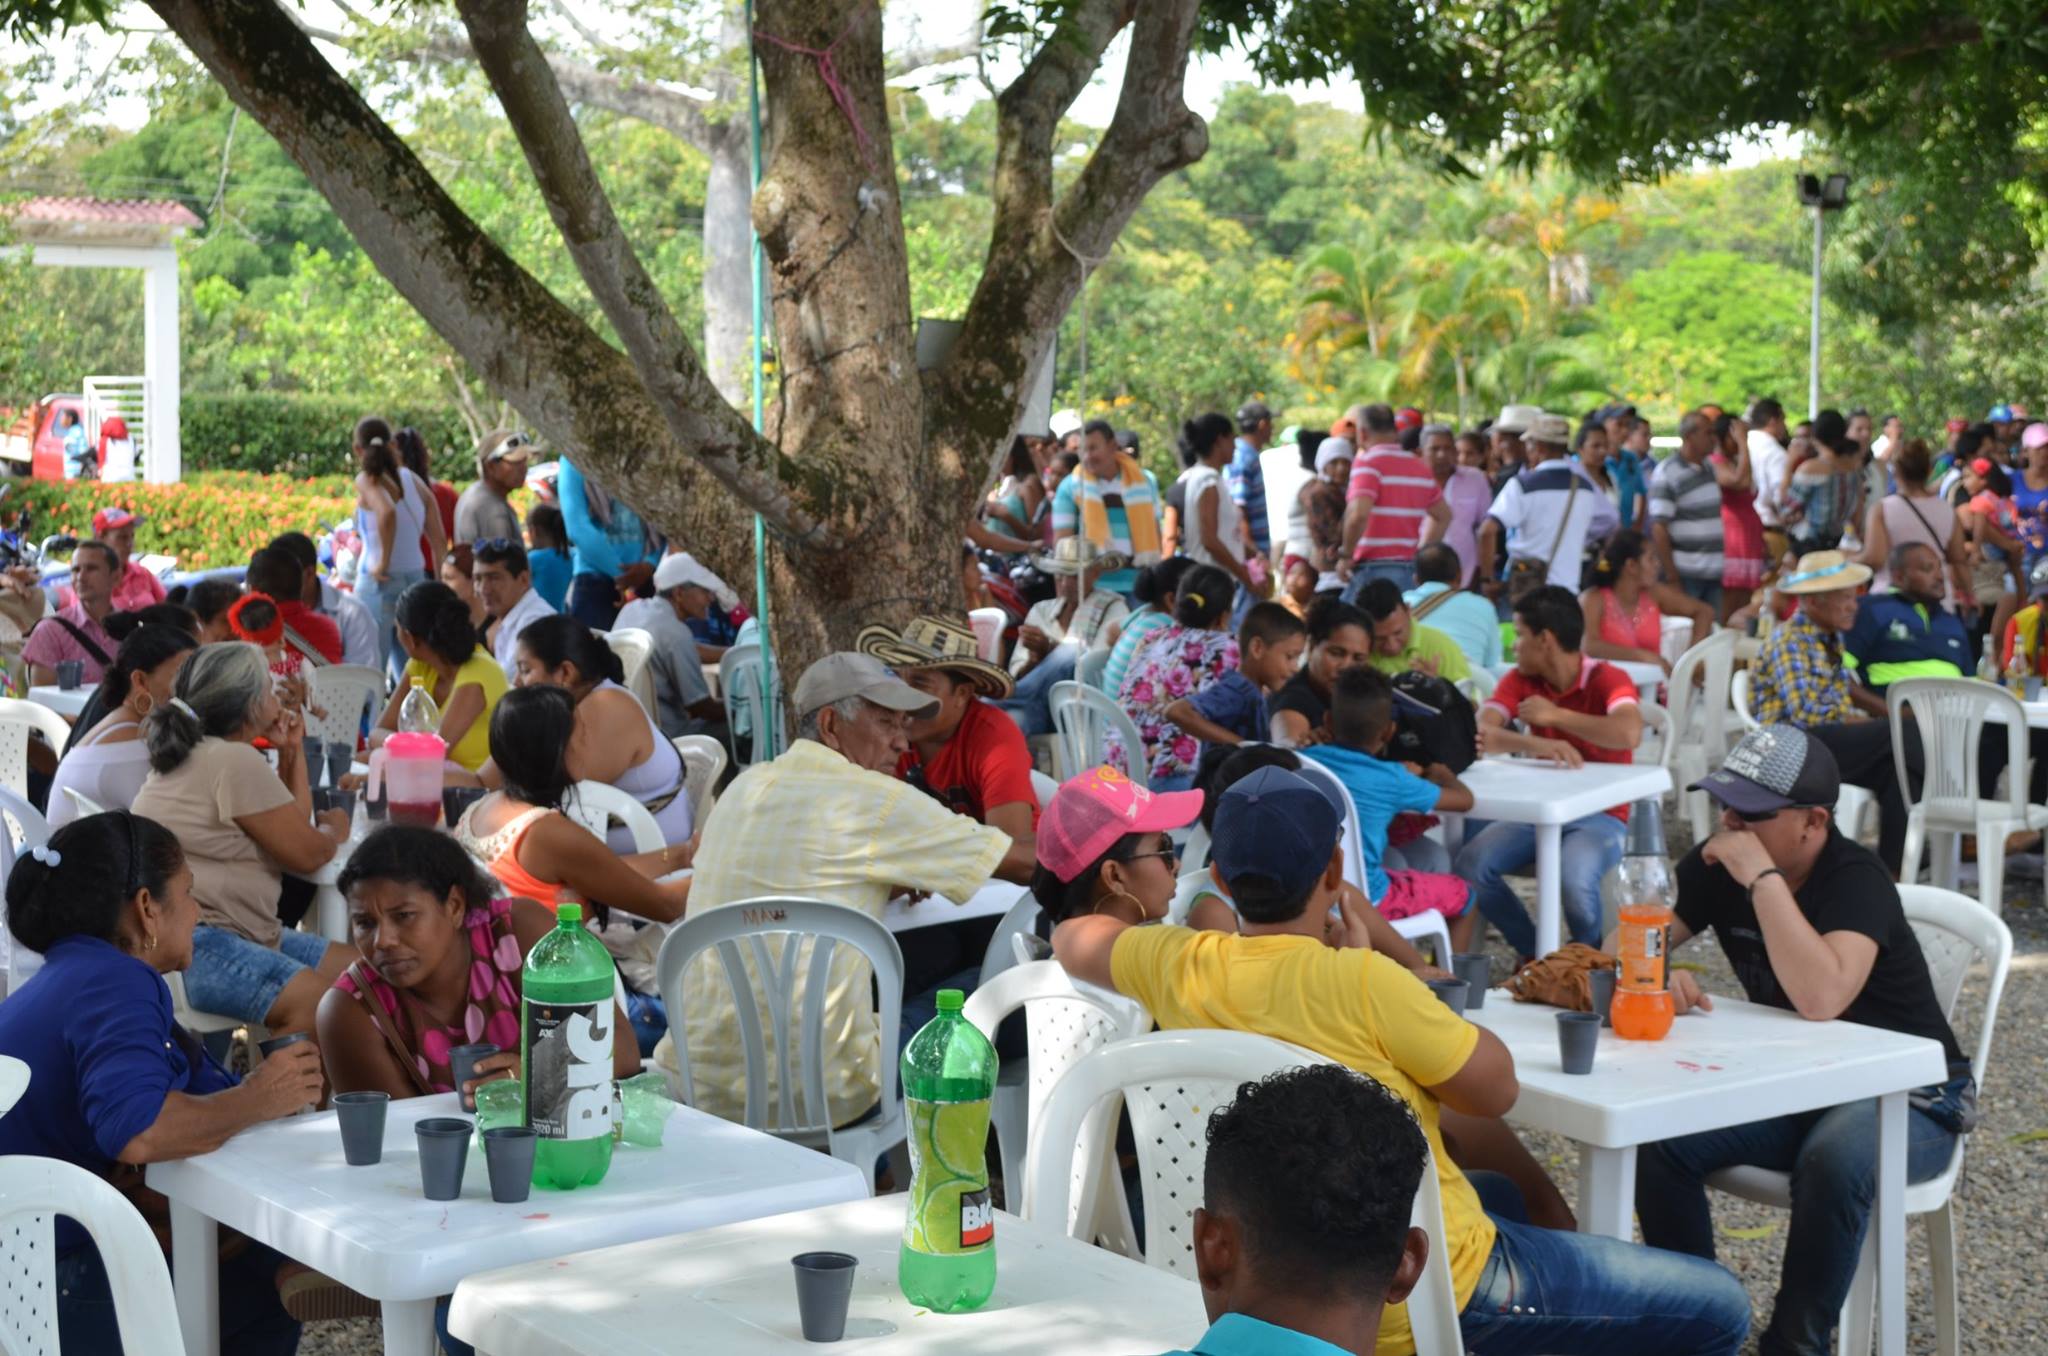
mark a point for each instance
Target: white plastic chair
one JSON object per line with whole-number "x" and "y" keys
{"x": 1043, "y": 788}
{"x": 745, "y": 712}
{"x": 635, "y": 648}
{"x": 344, "y": 692}
{"x": 1090, "y": 666}
{"x": 595, "y": 804}
{"x": 1195, "y": 852}
{"x": 988, "y": 624}
{"x": 33, "y": 1192}
{"x": 1429, "y": 925}
{"x": 1082, "y": 718}
{"x": 83, "y": 805}
{"x": 1697, "y": 740}
{"x": 1481, "y": 684}
{"x": 787, "y": 980}
{"x": 704, "y": 760}
{"x": 1955, "y": 933}
{"x": 1170, "y": 1082}
{"x": 1063, "y": 1021}
{"x": 18, "y": 721}
{"x": 24, "y": 829}
{"x": 1656, "y": 733}
{"x": 202, "y": 1023}
{"x": 1951, "y": 714}
{"x": 1020, "y": 917}
{"x": 1738, "y": 697}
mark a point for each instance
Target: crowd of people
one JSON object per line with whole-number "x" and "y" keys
{"x": 1307, "y": 631}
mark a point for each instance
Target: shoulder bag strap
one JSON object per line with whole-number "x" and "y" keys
{"x": 1566, "y": 521}
{"x": 92, "y": 648}
{"x": 1429, "y": 605}
{"x": 305, "y": 647}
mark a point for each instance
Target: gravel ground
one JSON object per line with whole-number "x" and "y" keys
{"x": 2002, "y": 1226}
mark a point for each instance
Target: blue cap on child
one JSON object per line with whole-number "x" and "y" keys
{"x": 1276, "y": 824}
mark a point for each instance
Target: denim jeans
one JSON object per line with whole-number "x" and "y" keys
{"x": 382, "y": 600}
{"x": 1832, "y": 1157}
{"x": 1707, "y": 591}
{"x": 1545, "y": 1291}
{"x": 252, "y": 1317}
{"x": 1420, "y": 854}
{"x": 649, "y": 1016}
{"x": 1492, "y": 852}
{"x": 1030, "y": 705}
{"x": 1402, "y": 572}
{"x": 594, "y": 600}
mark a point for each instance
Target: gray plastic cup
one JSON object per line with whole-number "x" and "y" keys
{"x": 1603, "y": 993}
{"x": 277, "y": 1043}
{"x": 1578, "y": 1036}
{"x": 462, "y": 1062}
{"x": 315, "y": 755}
{"x": 361, "y": 1117}
{"x": 70, "y": 674}
{"x": 1476, "y": 969}
{"x": 824, "y": 1289}
{"x": 1451, "y": 991}
{"x": 340, "y": 758}
{"x": 444, "y": 1152}
{"x": 508, "y": 1154}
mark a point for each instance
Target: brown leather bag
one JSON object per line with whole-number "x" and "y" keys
{"x": 1562, "y": 979}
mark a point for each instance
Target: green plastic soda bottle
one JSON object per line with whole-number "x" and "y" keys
{"x": 566, "y": 1014}
{"x": 948, "y": 1259}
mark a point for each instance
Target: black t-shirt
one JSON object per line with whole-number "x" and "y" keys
{"x": 1849, "y": 891}
{"x": 1299, "y": 696}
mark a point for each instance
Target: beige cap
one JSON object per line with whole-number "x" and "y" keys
{"x": 1552, "y": 429}
{"x": 503, "y": 444}
{"x": 847, "y": 674}
{"x": 1517, "y": 418}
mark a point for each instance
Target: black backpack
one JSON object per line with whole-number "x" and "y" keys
{"x": 1434, "y": 723}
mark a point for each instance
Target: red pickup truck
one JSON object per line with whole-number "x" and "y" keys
{"x": 32, "y": 441}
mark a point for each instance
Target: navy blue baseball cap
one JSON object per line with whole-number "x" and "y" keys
{"x": 1276, "y": 824}
{"x": 1774, "y": 768}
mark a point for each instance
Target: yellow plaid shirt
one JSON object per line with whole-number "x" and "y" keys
{"x": 812, "y": 824}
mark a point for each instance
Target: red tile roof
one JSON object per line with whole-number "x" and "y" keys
{"x": 100, "y": 211}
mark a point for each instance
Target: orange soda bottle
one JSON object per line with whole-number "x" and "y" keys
{"x": 1642, "y": 998}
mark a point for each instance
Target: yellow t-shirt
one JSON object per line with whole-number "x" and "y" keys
{"x": 1353, "y": 1006}
{"x": 474, "y": 748}
{"x": 1426, "y": 642}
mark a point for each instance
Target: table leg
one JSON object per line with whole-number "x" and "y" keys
{"x": 331, "y": 911}
{"x": 1454, "y": 831}
{"x": 195, "y": 1279}
{"x": 409, "y": 1327}
{"x": 1888, "y": 1224}
{"x": 1549, "y": 888}
{"x": 1607, "y": 1192}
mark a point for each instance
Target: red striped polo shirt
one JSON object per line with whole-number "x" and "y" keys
{"x": 1402, "y": 490}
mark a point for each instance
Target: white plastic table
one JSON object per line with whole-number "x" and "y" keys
{"x": 1741, "y": 1062}
{"x": 13, "y": 1082}
{"x": 66, "y": 703}
{"x": 992, "y": 900}
{"x": 732, "y": 1291}
{"x": 285, "y": 1184}
{"x": 1550, "y": 796}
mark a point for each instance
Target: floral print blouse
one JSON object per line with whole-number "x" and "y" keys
{"x": 1176, "y": 662}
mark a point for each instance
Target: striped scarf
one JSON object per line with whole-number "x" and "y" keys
{"x": 1141, "y": 510}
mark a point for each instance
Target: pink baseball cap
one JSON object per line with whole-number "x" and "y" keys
{"x": 1090, "y": 812}
{"x": 2035, "y": 435}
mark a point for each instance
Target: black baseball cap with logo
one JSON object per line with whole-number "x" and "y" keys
{"x": 1774, "y": 768}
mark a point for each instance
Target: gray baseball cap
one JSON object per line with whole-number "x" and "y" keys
{"x": 847, "y": 674}
{"x": 1772, "y": 768}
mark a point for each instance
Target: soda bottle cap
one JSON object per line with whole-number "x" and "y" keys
{"x": 951, "y": 1000}
{"x": 569, "y": 912}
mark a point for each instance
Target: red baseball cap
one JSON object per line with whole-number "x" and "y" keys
{"x": 1090, "y": 812}
{"x": 111, "y": 517}
{"x": 1407, "y": 417}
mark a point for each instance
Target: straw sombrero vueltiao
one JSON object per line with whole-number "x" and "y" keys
{"x": 935, "y": 643}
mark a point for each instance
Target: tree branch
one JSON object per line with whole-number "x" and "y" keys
{"x": 696, "y": 414}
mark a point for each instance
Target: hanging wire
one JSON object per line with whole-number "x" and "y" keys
{"x": 1088, "y": 266}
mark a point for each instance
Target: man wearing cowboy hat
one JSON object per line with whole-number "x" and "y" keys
{"x": 963, "y": 750}
{"x": 1802, "y": 679}
{"x": 1080, "y": 617}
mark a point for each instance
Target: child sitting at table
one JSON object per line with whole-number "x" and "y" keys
{"x": 1361, "y": 727}
{"x": 1232, "y": 708}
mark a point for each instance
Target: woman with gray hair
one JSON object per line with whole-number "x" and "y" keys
{"x": 242, "y": 827}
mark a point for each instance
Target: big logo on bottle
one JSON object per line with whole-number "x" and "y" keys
{"x": 569, "y": 1093}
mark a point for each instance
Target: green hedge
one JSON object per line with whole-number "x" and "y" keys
{"x": 293, "y": 435}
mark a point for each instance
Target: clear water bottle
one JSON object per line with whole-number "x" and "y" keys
{"x": 566, "y": 1027}
{"x": 948, "y": 1259}
{"x": 419, "y": 713}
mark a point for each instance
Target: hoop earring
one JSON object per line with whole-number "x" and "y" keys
{"x": 1135, "y": 901}
{"x": 149, "y": 941}
{"x": 148, "y": 703}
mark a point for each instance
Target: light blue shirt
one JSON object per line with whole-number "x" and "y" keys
{"x": 1379, "y": 791}
{"x": 595, "y": 548}
{"x": 1241, "y": 1335}
{"x": 1468, "y": 618}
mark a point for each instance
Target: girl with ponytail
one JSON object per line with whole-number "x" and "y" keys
{"x": 1179, "y": 659}
{"x": 107, "y": 763}
{"x": 398, "y": 524}
{"x": 445, "y": 655}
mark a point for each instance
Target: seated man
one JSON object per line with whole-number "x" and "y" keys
{"x": 1810, "y": 922}
{"x": 826, "y": 820}
{"x": 74, "y": 631}
{"x": 1907, "y": 631}
{"x": 1302, "y": 1238}
{"x": 357, "y": 627}
{"x": 1573, "y": 709}
{"x": 503, "y": 578}
{"x": 1467, "y": 618}
{"x": 683, "y": 589}
{"x": 1400, "y": 643}
{"x": 1801, "y": 679}
{"x": 1080, "y": 617}
{"x": 1277, "y": 849}
{"x": 275, "y": 573}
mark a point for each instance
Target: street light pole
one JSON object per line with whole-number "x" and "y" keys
{"x": 1823, "y": 197}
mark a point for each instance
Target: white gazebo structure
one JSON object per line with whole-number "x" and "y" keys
{"x": 138, "y": 234}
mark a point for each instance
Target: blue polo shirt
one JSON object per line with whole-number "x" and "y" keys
{"x": 1239, "y": 1335}
{"x": 1895, "y": 639}
{"x": 1247, "y": 476}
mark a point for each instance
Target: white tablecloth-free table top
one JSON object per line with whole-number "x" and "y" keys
{"x": 992, "y": 900}
{"x": 285, "y": 1184}
{"x": 13, "y": 1082}
{"x": 66, "y": 703}
{"x": 732, "y": 1291}
{"x": 1740, "y": 1062}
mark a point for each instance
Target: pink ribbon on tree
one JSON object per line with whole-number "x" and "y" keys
{"x": 834, "y": 86}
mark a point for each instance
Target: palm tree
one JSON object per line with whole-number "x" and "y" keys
{"x": 1469, "y": 302}
{"x": 1352, "y": 304}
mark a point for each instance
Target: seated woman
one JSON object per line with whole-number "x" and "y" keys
{"x": 1179, "y": 660}
{"x": 242, "y": 827}
{"x": 444, "y": 653}
{"x": 120, "y": 625}
{"x": 1109, "y": 849}
{"x": 440, "y": 956}
{"x": 108, "y": 762}
{"x": 114, "y": 1082}
{"x": 1339, "y": 637}
{"x": 1625, "y": 606}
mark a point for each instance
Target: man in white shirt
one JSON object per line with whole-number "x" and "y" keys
{"x": 682, "y": 695}
{"x": 504, "y": 582}
{"x": 1541, "y": 515}
{"x": 1767, "y": 462}
{"x": 358, "y": 628}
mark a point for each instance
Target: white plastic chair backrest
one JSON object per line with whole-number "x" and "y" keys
{"x": 1043, "y": 787}
{"x": 777, "y": 954}
{"x": 1082, "y": 718}
{"x": 1738, "y": 697}
{"x": 33, "y": 1192}
{"x": 1482, "y": 682}
{"x": 595, "y": 804}
{"x": 1090, "y": 667}
{"x": 1955, "y": 932}
{"x": 1700, "y": 715}
{"x": 1170, "y": 1082}
{"x": 82, "y": 804}
{"x": 1354, "y": 850}
{"x": 24, "y": 828}
{"x": 343, "y": 691}
{"x": 704, "y": 760}
{"x": 740, "y": 680}
{"x": 1187, "y": 889}
{"x": 1195, "y": 852}
{"x": 988, "y": 623}
{"x": 18, "y": 719}
{"x": 635, "y": 648}
{"x": 1950, "y": 714}
{"x": 1020, "y": 917}
{"x": 1657, "y": 727}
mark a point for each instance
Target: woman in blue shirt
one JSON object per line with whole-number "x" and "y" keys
{"x": 114, "y": 1082}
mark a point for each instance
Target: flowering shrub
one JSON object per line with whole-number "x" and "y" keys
{"x": 214, "y": 518}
